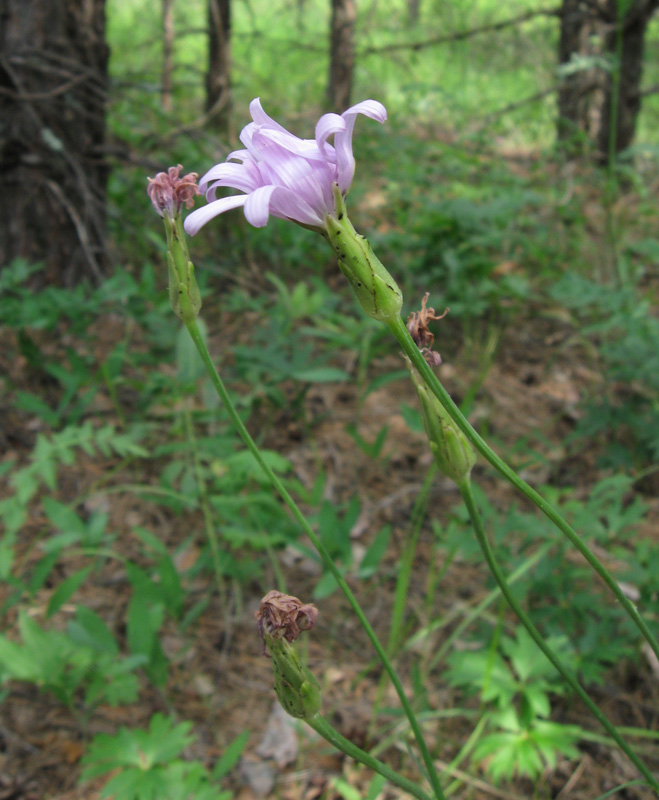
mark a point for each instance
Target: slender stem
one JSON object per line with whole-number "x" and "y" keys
{"x": 211, "y": 533}
{"x": 468, "y": 497}
{"x": 485, "y": 602}
{"x": 397, "y": 327}
{"x": 326, "y": 558}
{"x": 322, "y": 726}
{"x": 407, "y": 561}
{"x": 403, "y": 584}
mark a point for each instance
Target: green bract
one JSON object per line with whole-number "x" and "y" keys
{"x": 453, "y": 452}
{"x": 376, "y": 291}
{"x": 183, "y": 290}
{"x": 297, "y": 689}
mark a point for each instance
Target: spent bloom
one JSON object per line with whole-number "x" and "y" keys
{"x": 417, "y": 325}
{"x": 169, "y": 192}
{"x": 283, "y": 616}
{"x": 282, "y": 175}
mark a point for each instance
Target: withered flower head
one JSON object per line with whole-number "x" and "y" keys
{"x": 284, "y": 617}
{"x": 169, "y": 193}
{"x": 417, "y": 325}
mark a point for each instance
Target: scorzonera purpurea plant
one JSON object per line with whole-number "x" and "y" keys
{"x": 306, "y": 181}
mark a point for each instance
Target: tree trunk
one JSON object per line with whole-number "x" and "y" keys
{"x": 53, "y": 83}
{"x": 342, "y": 54}
{"x": 624, "y": 101}
{"x": 413, "y": 9}
{"x": 218, "y": 77}
{"x": 167, "y": 53}
{"x": 589, "y": 92}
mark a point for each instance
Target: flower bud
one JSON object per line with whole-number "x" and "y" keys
{"x": 281, "y": 619}
{"x": 184, "y": 295}
{"x": 296, "y": 687}
{"x": 452, "y": 450}
{"x": 375, "y": 289}
{"x": 169, "y": 193}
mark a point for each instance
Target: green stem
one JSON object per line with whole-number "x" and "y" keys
{"x": 403, "y": 584}
{"x": 326, "y": 558}
{"x": 397, "y": 327}
{"x": 211, "y": 533}
{"x": 407, "y": 561}
{"x": 322, "y": 727}
{"x": 468, "y": 497}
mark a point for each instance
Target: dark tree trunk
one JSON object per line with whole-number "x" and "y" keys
{"x": 589, "y": 30}
{"x": 413, "y": 9}
{"x": 628, "y": 101}
{"x": 53, "y": 83}
{"x": 218, "y": 82}
{"x": 342, "y": 54}
{"x": 167, "y": 53}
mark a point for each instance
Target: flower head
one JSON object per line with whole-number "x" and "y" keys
{"x": 283, "y": 175}
{"x": 169, "y": 193}
{"x": 283, "y": 616}
{"x": 417, "y": 325}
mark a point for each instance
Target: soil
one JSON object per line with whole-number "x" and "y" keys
{"x": 219, "y": 678}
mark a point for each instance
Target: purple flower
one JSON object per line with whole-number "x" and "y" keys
{"x": 282, "y": 175}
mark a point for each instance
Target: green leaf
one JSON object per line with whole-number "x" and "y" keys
{"x": 374, "y": 554}
{"x": 63, "y": 517}
{"x": 66, "y": 589}
{"x": 230, "y": 756}
{"x": 320, "y": 375}
{"x": 189, "y": 365}
{"x": 18, "y": 661}
{"x": 90, "y": 630}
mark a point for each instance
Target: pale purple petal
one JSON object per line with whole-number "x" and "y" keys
{"x": 369, "y": 108}
{"x": 345, "y": 161}
{"x": 283, "y": 175}
{"x": 326, "y": 126}
{"x": 237, "y": 176}
{"x": 307, "y": 148}
{"x": 261, "y": 118}
{"x": 193, "y": 222}
{"x": 280, "y": 202}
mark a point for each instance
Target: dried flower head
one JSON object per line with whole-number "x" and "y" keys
{"x": 169, "y": 193}
{"x": 282, "y": 616}
{"x": 417, "y": 325}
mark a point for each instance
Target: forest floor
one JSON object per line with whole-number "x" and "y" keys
{"x": 219, "y": 678}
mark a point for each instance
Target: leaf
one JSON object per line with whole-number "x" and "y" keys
{"x": 374, "y": 554}
{"x": 63, "y": 517}
{"x": 320, "y": 375}
{"x": 189, "y": 365}
{"x": 230, "y": 756}
{"x": 17, "y": 661}
{"x": 90, "y": 630}
{"x": 66, "y": 589}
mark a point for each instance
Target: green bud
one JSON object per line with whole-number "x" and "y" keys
{"x": 184, "y": 295}
{"x": 297, "y": 689}
{"x": 375, "y": 289}
{"x": 453, "y": 452}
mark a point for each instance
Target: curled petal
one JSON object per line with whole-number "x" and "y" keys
{"x": 261, "y": 118}
{"x": 345, "y": 161}
{"x": 238, "y": 176}
{"x": 193, "y": 222}
{"x": 327, "y": 125}
{"x": 280, "y": 202}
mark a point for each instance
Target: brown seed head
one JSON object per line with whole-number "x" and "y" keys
{"x": 285, "y": 617}
{"x": 417, "y": 325}
{"x": 169, "y": 193}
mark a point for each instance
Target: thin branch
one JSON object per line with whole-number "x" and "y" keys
{"x": 461, "y": 35}
{"x": 534, "y": 98}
